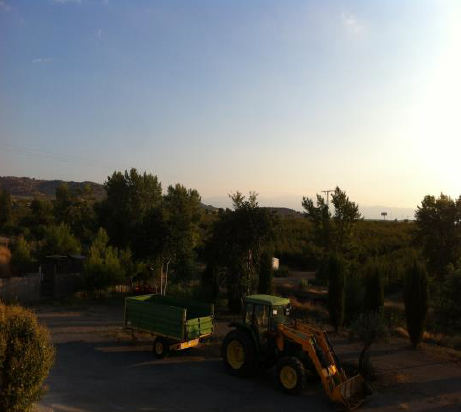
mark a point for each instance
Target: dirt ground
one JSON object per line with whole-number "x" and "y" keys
{"x": 99, "y": 369}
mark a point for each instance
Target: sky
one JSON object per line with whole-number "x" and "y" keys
{"x": 285, "y": 98}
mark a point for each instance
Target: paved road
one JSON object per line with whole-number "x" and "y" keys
{"x": 98, "y": 370}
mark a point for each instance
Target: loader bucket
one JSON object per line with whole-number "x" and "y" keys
{"x": 351, "y": 393}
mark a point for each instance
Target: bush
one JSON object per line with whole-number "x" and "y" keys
{"x": 26, "y": 356}
{"x": 416, "y": 298}
{"x": 336, "y": 289}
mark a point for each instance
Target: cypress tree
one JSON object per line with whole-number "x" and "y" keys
{"x": 336, "y": 290}
{"x": 416, "y": 298}
{"x": 265, "y": 274}
{"x": 374, "y": 287}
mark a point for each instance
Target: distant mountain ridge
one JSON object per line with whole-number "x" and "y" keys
{"x": 27, "y": 187}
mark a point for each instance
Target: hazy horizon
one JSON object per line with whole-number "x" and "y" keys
{"x": 292, "y": 202}
{"x": 285, "y": 99}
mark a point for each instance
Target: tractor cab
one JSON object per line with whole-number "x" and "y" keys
{"x": 265, "y": 312}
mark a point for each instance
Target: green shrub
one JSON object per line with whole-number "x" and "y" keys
{"x": 336, "y": 290}
{"x": 26, "y": 356}
{"x": 416, "y": 298}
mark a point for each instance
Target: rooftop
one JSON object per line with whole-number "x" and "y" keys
{"x": 267, "y": 300}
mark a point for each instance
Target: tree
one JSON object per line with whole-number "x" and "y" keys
{"x": 103, "y": 267}
{"x": 210, "y": 281}
{"x": 21, "y": 258}
{"x": 320, "y": 216}
{"x": 62, "y": 203}
{"x": 355, "y": 296}
{"x": 168, "y": 234}
{"x": 336, "y": 290}
{"x": 59, "y": 240}
{"x": 374, "y": 287}
{"x": 368, "y": 328}
{"x": 266, "y": 274}
{"x": 130, "y": 196}
{"x": 5, "y": 208}
{"x": 438, "y": 223}
{"x": 345, "y": 216}
{"x": 75, "y": 209}
{"x": 40, "y": 216}
{"x": 182, "y": 212}
{"x": 133, "y": 270}
{"x": 334, "y": 233}
{"x": 447, "y": 305}
{"x": 239, "y": 239}
{"x": 416, "y": 299}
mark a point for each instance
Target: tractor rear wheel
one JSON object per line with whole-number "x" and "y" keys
{"x": 290, "y": 375}
{"x": 238, "y": 353}
{"x": 161, "y": 347}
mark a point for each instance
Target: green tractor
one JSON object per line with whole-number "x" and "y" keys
{"x": 267, "y": 336}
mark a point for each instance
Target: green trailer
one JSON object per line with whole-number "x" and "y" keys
{"x": 174, "y": 323}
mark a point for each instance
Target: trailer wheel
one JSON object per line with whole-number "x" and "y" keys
{"x": 290, "y": 375}
{"x": 238, "y": 353}
{"x": 161, "y": 348}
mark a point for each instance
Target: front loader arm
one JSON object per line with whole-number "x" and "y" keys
{"x": 314, "y": 342}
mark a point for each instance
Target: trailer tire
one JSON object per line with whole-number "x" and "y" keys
{"x": 161, "y": 347}
{"x": 290, "y": 375}
{"x": 238, "y": 353}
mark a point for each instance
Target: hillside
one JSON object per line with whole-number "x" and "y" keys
{"x": 26, "y": 187}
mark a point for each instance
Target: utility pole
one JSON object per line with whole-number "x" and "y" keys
{"x": 328, "y": 196}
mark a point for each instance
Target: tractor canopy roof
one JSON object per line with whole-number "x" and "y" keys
{"x": 267, "y": 300}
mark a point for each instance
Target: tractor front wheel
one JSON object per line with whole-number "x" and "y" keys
{"x": 290, "y": 375}
{"x": 238, "y": 353}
